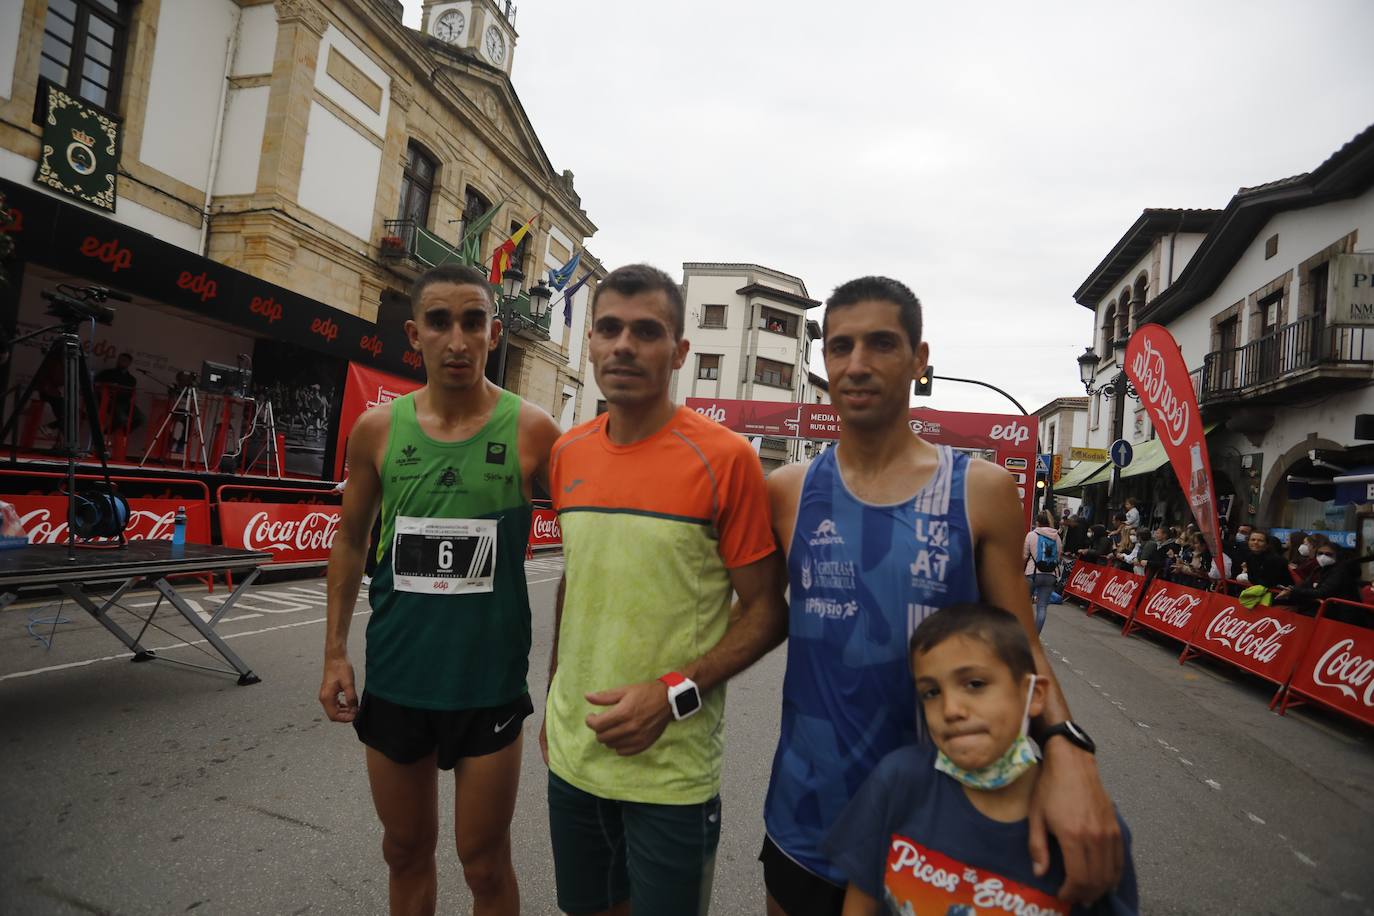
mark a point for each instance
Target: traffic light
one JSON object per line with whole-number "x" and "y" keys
{"x": 923, "y": 384}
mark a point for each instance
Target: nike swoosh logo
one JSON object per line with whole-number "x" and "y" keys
{"x": 503, "y": 724}
{"x": 573, "y": 486}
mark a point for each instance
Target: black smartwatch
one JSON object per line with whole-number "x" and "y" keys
{"x": 1071, "y": 732}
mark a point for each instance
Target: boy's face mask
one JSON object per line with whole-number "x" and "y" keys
{"x": 1006, "y": 769}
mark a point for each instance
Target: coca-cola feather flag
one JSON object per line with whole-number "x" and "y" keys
{"x": 1154, "y": 364}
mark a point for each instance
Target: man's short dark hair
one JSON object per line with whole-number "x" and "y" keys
{"x": 633, "y": 279}
{"x": 999, "y": 629}
{"x": 879, "y": 289}
{"x": 457, "y": 274}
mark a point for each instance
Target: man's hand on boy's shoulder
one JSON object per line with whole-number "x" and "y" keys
{"x": 1070, "y": 802}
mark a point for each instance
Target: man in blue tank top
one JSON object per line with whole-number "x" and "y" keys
{"x": 880, "y": 532}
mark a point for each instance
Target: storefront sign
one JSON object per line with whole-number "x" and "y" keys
{"x": 1338, "y": 669}
{"x": 1155, "y": 366}
{"x": 1009, "y": 440}
{"x": 1087, "y": 454}
{"x": 1267, "y": 641}
{"x": 364, "y": 389}
{"x": 291, "y": 532}
{"x": 80, "y": 154}
{"x": 1352, "y": 290}
{"x": 45, "y": 519}
{"x": 544, "y": 529}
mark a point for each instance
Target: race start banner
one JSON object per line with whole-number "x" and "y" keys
{"x": 1008, "y": 440}
{"x": 1154, "y": 364}
{"x": 365, "y": 388}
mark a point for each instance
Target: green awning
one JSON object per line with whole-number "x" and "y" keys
{"x": 1149, "y": 456}
{"x": 1073, "y": 478}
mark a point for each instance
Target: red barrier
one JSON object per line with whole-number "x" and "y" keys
{"x": 544, "y": 528}
{"x": 291, "y": 532}
{"x": 1337, "y": 670}
{"x": 1084, "y": 581}
{"x": 1266, "y": 641}
{"x": 1171, "y": 609}
{"x": 44, "y": 517}
{"x": 1118, "y": 591}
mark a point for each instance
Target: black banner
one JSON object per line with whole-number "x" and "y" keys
{"x": 67, "y": 238}
{"x": 80, "y": 152}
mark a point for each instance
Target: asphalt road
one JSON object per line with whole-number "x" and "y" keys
{"x": 157, "y": 789}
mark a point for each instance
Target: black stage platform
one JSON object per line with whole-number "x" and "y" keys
{"x": 49, "y": 566}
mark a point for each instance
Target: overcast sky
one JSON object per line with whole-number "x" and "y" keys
{"x": 989, "y": 155}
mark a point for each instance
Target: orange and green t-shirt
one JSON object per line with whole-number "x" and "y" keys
{"x": 650, "y": 532}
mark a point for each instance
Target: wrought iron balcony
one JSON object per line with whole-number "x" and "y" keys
{"x": 403, "y": 241}
{"x": 1288, "y": 362}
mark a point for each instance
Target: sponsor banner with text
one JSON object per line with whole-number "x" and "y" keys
{"x": 1117, "y": 591}
{"x": 291, "y": 532}
{"x": 1172, "y": 609}
{"x": 544, "y": 529}
{"x": 1085, "y": 579}
{"x": 364, "y": 389}
{"x": 1267, "y": 641}
{"x": 1338, "y": 669}
{"x": 45, "y": 518}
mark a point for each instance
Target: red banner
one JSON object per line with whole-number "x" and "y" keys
{"x": 363, "y": 389}
{"x": 1085, "y": 580}
{"x": 544, "y": 529}
{"x": 1155, "y": 365}
{"x": 1267, "y": 641}
{"x": 1338, "y": 669}
{"x": 292, "y": 532}
{"x": 1118, "y": 590}
{"x": 1008, "y": 440}
{"x": 1172, "y": 609}
{"x": 45, "y": 518}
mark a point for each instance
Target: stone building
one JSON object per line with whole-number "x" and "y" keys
{"x": 308, "y": 153}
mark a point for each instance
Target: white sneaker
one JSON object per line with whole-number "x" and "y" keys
{"x": 367, "y": 580}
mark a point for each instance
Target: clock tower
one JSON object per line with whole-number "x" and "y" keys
{"x": 483, "y": 28}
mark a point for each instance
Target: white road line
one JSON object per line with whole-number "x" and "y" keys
{"x": 1213, "y": 783}
{"x": 175, "y": 645}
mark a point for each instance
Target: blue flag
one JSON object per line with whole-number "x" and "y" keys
{"x": 559, "y": 278}
{"x": 568, "y": 297}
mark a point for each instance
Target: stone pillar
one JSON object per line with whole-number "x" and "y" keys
{"x": 301, "y": 23}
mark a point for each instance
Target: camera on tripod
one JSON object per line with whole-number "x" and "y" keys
{"x": 74, "y": 304}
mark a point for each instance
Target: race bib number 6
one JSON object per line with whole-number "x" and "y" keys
{"x": 444, "y": 556}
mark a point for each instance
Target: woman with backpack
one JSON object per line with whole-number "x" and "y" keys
{"x": 1042, "y": 551}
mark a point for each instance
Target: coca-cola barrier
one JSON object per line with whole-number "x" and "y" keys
{"x": 1337, "y": 670}
{"x": 544, "y": 529}
{"x": 291, "y": 532}
{"x": 44, "y": 516}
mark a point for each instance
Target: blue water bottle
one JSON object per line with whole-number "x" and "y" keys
{"x": 179, "y": 531}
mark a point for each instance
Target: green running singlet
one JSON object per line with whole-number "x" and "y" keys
{"x": 450, "y": 625}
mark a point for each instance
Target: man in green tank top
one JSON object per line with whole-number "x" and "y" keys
{"x": 451, "y": 468}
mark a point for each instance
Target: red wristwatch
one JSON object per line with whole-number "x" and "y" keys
{"x": 683, "y": 697}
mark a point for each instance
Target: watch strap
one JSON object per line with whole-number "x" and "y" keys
{"x": 672, "y": 679}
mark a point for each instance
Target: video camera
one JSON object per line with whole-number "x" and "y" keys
{"x": 82, "y": 303}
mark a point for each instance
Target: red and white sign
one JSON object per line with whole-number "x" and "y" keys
{"x": 1118, "y": 590}
{"x": 544, "y": 529}
{"x": 1267, "y": 641}
{"x": 292, "y": 532}
{"x": 1006, "y": 437}
{"x": 1171, "y": 609}
{"x": 1155, "y": 365}
{"x": 364, "y": 389}
{"x": 45, "y": 519}
{"x": 1338, "y": 669}
{"x": 1085, "y": 580}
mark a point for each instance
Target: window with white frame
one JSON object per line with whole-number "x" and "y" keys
{"x": 713, "y": 316}
{"x": 772, "y": 372}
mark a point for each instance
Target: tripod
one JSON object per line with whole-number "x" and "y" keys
{"x": 269, "y": 448}
{"x": 76, "y": 382}
{"x": 187, "y": 407}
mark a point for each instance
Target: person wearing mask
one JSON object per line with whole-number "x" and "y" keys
{"x": 1333, "y": 578}
{"x": 1293, "y": 553}
{"x": 1075, "y": 535}
{"x": 1127, "y": 555}
{"x": 1099, "y": 546}
{"x": 1257, "y": 564}
{"x": 1238, "y": 542}
{"x": 1042, "y": 552}
{"x": 1306, "y": 563}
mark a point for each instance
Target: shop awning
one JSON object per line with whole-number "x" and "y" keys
{"x": 1149, "y": 456}
{"x": 1074, "y": 478}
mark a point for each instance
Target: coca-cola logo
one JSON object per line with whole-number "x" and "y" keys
{"x": 1085, "y": 580}
{"x": 1346, "y": 671}
{"x": 1171, "y": 412}
{"x": 1172, "y": 610}
{"x": 313, "y": 533}
{"x": 144, "y": 525}
{"x": 545, "y": 528}
{"x": 1119, "y": 591}
{"x": 1260, "y": 639}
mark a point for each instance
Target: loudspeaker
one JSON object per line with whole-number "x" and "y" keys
{"x": 1364, "y": 426}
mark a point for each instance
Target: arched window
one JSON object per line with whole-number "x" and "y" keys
{"x": 1108, "y": 330}
{"x": 1138, "y": 299}
{"x": 1123, "y": 314}
{"x": 417, "y": 185}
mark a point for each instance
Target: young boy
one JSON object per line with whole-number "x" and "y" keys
{"x": 944, "y": 829}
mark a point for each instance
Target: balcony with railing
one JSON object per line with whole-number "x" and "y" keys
{"x": 412, "y": 249}
{"x": 1289, "y": 363}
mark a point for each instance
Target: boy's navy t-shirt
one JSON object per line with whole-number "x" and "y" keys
{"x": 911, "y": 837}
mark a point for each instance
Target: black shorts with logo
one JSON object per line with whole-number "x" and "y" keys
{"x": 795, "y": 889}
{"x": 406, "y": 734}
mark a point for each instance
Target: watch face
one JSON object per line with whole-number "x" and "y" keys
{"x": 496, "y": 44}
{"x": 450, "y": 26}
{"x": 687, "y": 702}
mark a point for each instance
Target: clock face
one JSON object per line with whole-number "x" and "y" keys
{"x": 450, "y": 26}
{"x": 496, "y": 44}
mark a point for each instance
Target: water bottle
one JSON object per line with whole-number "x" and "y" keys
{"x": 179, "y": 529}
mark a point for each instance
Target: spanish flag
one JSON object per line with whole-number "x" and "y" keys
{"x": 501, "y": 257}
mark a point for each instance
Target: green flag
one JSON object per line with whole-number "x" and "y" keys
{"x": 470, "y": 246}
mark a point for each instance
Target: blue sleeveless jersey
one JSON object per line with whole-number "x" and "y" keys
{"x": 862, "y": 577}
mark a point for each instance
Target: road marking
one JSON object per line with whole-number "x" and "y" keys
{"x": 178, "y": 645}
{"x": 1254, "y": 817}
{"x": 1213, "y": 783}
{"x": 1305, "y": 860}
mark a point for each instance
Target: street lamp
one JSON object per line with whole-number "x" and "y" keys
{"x": 1118, "y": 388}
{"x": 514, "y": 318}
